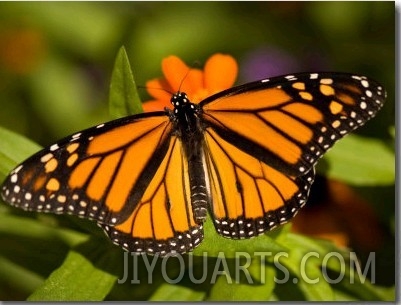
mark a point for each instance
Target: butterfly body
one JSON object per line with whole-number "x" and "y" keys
{"x": 245, "y": 155}
{"x": 189, "y": 129}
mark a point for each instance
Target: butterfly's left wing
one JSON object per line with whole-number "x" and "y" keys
{"x": 263, "y": 139}
{"x": 289, "y": 122}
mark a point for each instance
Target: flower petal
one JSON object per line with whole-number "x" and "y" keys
{"x": 192, "y": 83}
{"x": 159, "y": 89}
{"x": 174, "y": 70}
{"x": 181, "y": 77}
{"x": 220, "y": 72}
{"x": 155, "y": 105}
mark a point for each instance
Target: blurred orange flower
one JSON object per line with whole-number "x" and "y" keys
{"x": 22, "y": 49}
{"x": 219, "y": 73}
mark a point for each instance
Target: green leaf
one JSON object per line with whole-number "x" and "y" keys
{"x": 12, "y": 273}
{"x": 303, "y": 262}
{"x": 308, "y": 279}
{"x": 354, "y": 277}
{"x": 365, "y": 290}
{"x": 24, "y": 227}
{"x": 79, "y": 278}
{"x": 124, "y": 99}
{"x": 306, "y": 244}
{"x": 312, "y": 260}
{"x": 361, "y": 161}
{"x": 170, "y": 292}
{"x": 236, "y": 285}
{"x": 343, "y": 296}
{"x": 214, "y": 244}
{"x": 14, "y": 148}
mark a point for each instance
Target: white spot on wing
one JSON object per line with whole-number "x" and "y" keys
{"x": 365, "y": 83}
{"x": 46, "y": 157}
{"x": 17, "y": 169}
{"x": 54, "y": 147}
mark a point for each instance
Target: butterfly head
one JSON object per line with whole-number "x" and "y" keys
{"x": 179, "y": 99}
{"x": 181, "y": 102}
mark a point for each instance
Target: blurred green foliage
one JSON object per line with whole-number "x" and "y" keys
{"x": 56, "y": 62}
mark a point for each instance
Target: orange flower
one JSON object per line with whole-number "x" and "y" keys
{"x": 220, "y": 73}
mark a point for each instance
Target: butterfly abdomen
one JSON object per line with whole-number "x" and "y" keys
{"x": 189, "y": 130}
{"x": 199, "y": 194}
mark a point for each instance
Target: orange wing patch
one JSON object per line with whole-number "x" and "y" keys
{"x": 253, "y": 100}
{"x": 258, "y": 130}
{"x": 123, "y": 135}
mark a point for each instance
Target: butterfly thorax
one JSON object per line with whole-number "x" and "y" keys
{"x": 185, "y": 117}
{"x": 188, "y": 128}
{"x": 185, "y": 113}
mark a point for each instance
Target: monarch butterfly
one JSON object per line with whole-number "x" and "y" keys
{"x": 246, "y": 155}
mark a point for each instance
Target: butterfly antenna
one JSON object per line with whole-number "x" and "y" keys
{"x": 155, "y": 88}
{"x": 183, "y": 79}
{"x": 196, "y": 63}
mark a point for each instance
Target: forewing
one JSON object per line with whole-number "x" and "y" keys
{"x": 99, "y": 173}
